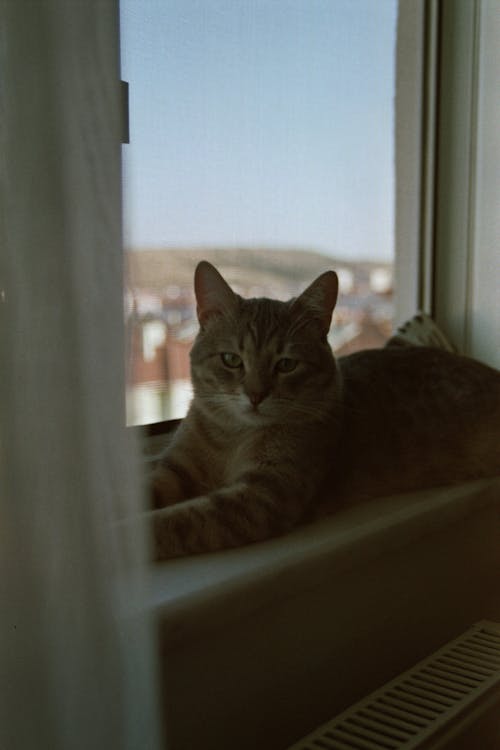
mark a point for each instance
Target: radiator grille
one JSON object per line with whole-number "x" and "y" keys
{"x": 406, "y": 712}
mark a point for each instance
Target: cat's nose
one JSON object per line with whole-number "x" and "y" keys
{"x": 256, "y": 397}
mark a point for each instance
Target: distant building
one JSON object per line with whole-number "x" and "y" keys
{"x": 381, "y": 280}
{"x": 158, "y": 378}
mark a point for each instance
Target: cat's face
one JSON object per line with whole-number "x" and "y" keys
{"x": 262, "y": 361}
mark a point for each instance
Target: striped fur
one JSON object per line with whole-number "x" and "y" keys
{"x": 279, "y": 432}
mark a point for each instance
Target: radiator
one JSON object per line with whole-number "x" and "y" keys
{"x": 422, "y": 706}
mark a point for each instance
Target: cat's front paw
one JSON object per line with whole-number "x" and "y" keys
{"x": 170, "y": 530}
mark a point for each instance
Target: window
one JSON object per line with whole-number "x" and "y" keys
{"x": 261, "y": 139}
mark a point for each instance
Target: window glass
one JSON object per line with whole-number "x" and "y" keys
{"x": 261, "y": 139}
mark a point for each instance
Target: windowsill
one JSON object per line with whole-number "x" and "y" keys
{"x": 213, "y": 589}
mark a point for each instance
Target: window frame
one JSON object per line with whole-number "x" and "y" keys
{"x": 440, "y": 161}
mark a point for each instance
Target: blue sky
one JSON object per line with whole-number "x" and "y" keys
{"x": 260, "y": 123}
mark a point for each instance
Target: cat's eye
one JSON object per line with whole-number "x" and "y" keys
{"x": 286, "y": 364}
{"x": 231, "y": 360}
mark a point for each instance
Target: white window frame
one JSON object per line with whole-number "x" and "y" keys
{"x": 446, "y": 229}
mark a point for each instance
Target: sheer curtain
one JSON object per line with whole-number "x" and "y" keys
{"x": 76, "y": 645}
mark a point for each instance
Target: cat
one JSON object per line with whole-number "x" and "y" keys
{"x": 280, "y": 432}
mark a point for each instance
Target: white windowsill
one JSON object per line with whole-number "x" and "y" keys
{"x": 209, "y": 590}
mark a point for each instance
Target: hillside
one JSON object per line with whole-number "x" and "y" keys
{"x": 156, "y": 269}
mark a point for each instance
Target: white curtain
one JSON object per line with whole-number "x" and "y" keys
{"x": 76, "y": 646}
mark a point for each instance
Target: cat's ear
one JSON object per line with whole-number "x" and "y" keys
{"x": 213, "y": 294}
{"x": 319, "y": 298}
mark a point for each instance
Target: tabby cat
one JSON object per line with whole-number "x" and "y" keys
{"x": 278, "y": 429}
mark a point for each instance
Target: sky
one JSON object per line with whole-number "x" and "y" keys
{"x": 260, "y": 123}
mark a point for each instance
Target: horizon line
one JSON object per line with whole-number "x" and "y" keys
{"x": 257, "y": 248}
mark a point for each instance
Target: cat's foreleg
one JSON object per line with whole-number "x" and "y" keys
{"x": 248, "y": 511}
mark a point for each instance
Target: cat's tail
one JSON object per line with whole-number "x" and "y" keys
{"x": 420, "y": 330}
